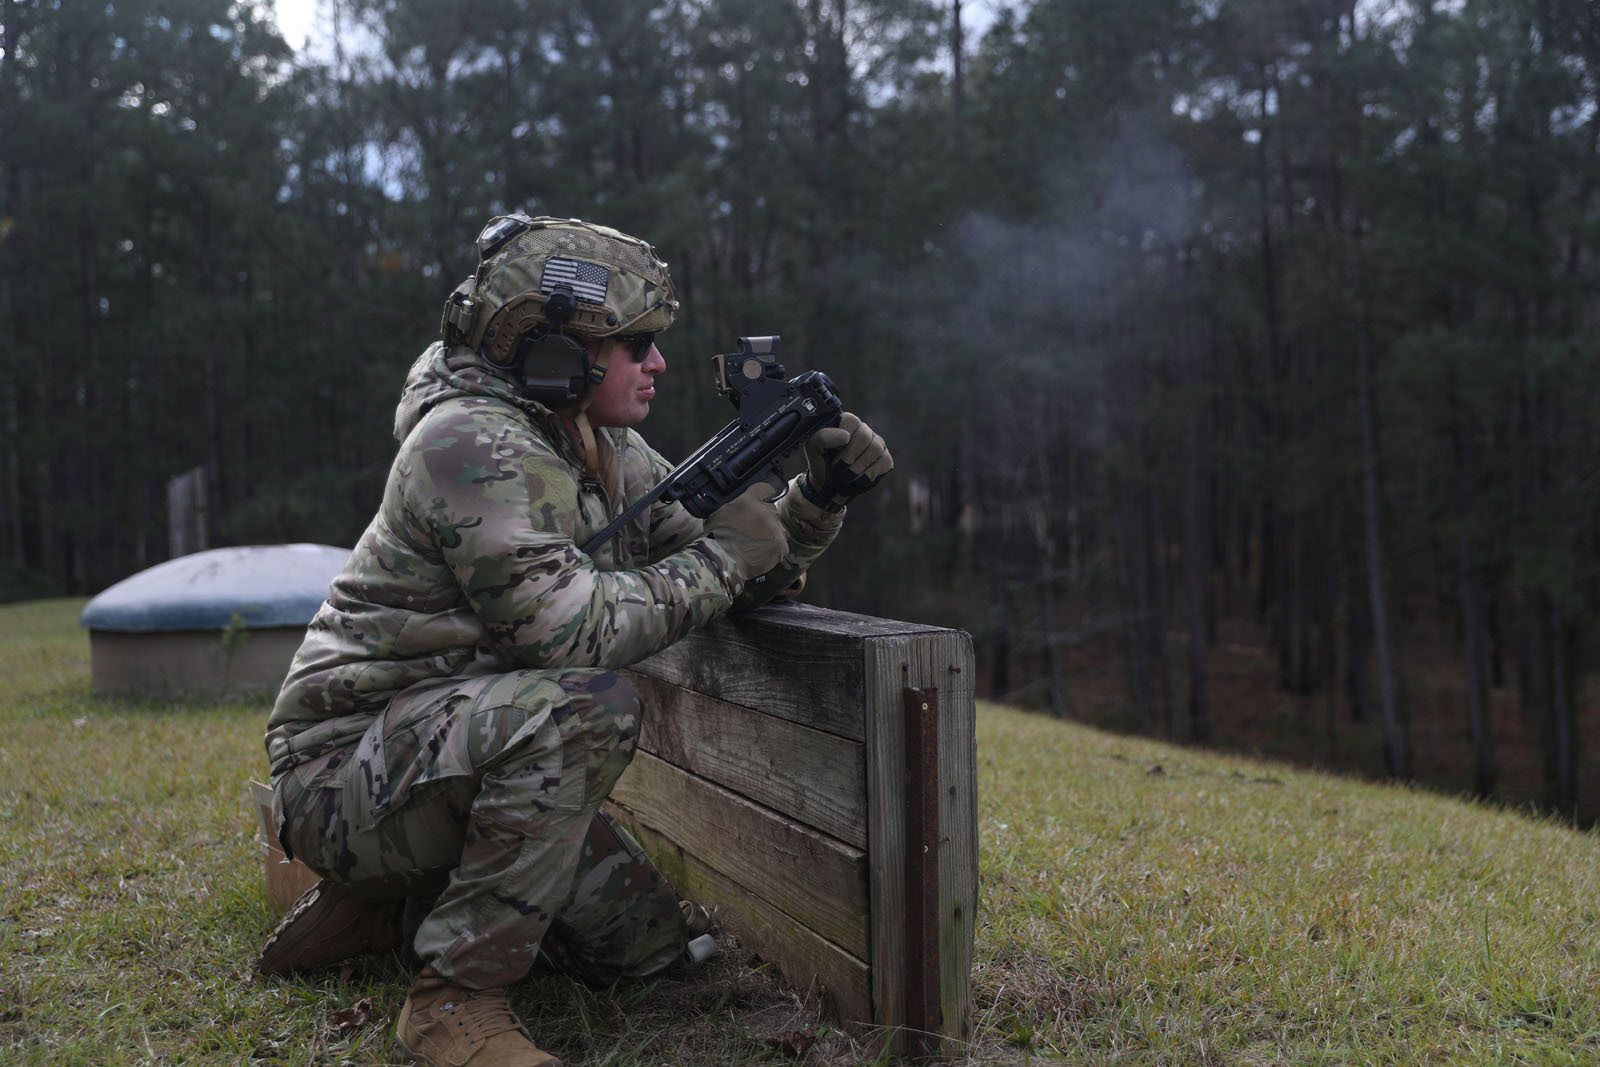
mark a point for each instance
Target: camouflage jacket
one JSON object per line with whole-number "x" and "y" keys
{"x": 471, "y": 565}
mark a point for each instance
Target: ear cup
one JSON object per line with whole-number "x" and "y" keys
{"x": 554, "y": 367}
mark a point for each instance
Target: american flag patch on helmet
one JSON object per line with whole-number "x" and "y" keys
{"x": 587, "y": 281}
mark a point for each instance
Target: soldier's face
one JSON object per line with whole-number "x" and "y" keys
{"x": 623, "y": 398}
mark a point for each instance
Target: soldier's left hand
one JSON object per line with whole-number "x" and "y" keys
{"x": 844, "y": 461}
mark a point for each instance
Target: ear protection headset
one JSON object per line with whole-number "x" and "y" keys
{"x": 552, "y": 366}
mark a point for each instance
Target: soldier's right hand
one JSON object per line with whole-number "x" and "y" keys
{"x": 748, "y": 529}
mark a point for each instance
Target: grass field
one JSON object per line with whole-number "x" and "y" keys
{"x": 1140, "y": 904}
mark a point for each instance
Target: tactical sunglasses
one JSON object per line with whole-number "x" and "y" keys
{"x": 638, "y": 344}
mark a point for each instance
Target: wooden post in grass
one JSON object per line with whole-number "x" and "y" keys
{"x": 812, "y": 774}
{"x": 286, "y": 878}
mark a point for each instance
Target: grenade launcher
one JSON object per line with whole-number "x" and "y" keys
{"x": 777, "y": 415}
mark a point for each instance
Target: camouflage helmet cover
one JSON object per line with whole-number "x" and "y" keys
{"x": 620, "y": 284}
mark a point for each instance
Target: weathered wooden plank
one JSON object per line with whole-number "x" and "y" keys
{"x": 813, "y": 777}
{"x": 886, "y": 798}
{"x": 958, "y": 851}
{"x": 286, "y": 879}
{"x": 924, "y": 1008}
{"x": 809, "y": 962}
{"x": 790, "y": 660}
{"x": 819, "y": 881}
{"x": 813, "y": 619}
{"x": 941, "y": 660}
{"x": 810, "y": 678}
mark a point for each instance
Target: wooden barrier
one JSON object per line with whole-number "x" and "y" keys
{"x": 286, "y": 878}
{"x": 812, "y": 774}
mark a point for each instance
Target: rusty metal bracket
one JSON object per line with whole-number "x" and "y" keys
{"x": 924, "y": 1012}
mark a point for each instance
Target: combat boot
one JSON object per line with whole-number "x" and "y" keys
{"x": 445, "y": 1024}
{"x": 329, "y": 924}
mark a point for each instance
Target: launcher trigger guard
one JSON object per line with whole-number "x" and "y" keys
{"x": 779, "y": 485}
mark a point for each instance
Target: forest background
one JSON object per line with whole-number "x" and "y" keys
{"x": 1238, "y": 356}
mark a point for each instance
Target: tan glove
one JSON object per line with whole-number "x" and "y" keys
{"x": 844, "y": 461}
{"x": 748, "y": 529}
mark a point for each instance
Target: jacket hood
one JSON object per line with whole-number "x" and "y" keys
{"x": 442, "y": 373}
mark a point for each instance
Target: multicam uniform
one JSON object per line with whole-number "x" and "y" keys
{"x": 454, "y": 719}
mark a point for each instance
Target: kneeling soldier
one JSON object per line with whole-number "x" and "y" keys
{"x": 454, "y": 721}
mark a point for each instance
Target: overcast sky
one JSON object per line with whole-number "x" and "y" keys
{"x": 295, "y": 20}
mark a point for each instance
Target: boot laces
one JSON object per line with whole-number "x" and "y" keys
{"x": 481, "y": 1015}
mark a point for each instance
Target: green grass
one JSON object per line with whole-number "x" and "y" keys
{"x": 1141, "y": 904}
{"x": 1154, "y": 905}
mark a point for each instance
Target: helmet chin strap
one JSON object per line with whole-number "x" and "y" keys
{"x": 597, "y": 374}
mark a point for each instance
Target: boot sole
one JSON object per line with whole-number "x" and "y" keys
{"x": 277, "y": 957}
{"x": 266, "y": 963}
{"x": 407, "y": 1055}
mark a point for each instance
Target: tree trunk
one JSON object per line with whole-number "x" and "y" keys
{"x": 1391, "y": 695}
{"x": 1135, "y": 591}
{"x": 1052, "y": 650}
{"x": 210, "y": 398}
{"x": 1196, "y": 572}
{"x": 993, "y": 550}
{"x": 1329, "y": 581}
{"x": 957, "y": 80}
{"x": 1480, "y": 725}
{"x": 999, "y": 635}
{"x": 11, "y": 498}
{"x": 1156, "y": 622}
{"x": 1305, "y": 599}
{"x": 1469, "y": 583}
{"x": 12, "y": 537}
{"x": 1043, "y": 523}
{"x": 1357, "y": 647}
{"x": 87, "y": 474}
{"x": 1563, "y": 727}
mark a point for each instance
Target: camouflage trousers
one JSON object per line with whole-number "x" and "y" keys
{"x": 487, "y": 791}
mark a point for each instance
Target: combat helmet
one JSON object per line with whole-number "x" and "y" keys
{"x": 544, "y": 284}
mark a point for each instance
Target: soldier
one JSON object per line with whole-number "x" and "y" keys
{"x": 453, "y": 721}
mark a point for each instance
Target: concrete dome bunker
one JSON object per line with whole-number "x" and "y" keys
{"x": 226, "y": 621}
